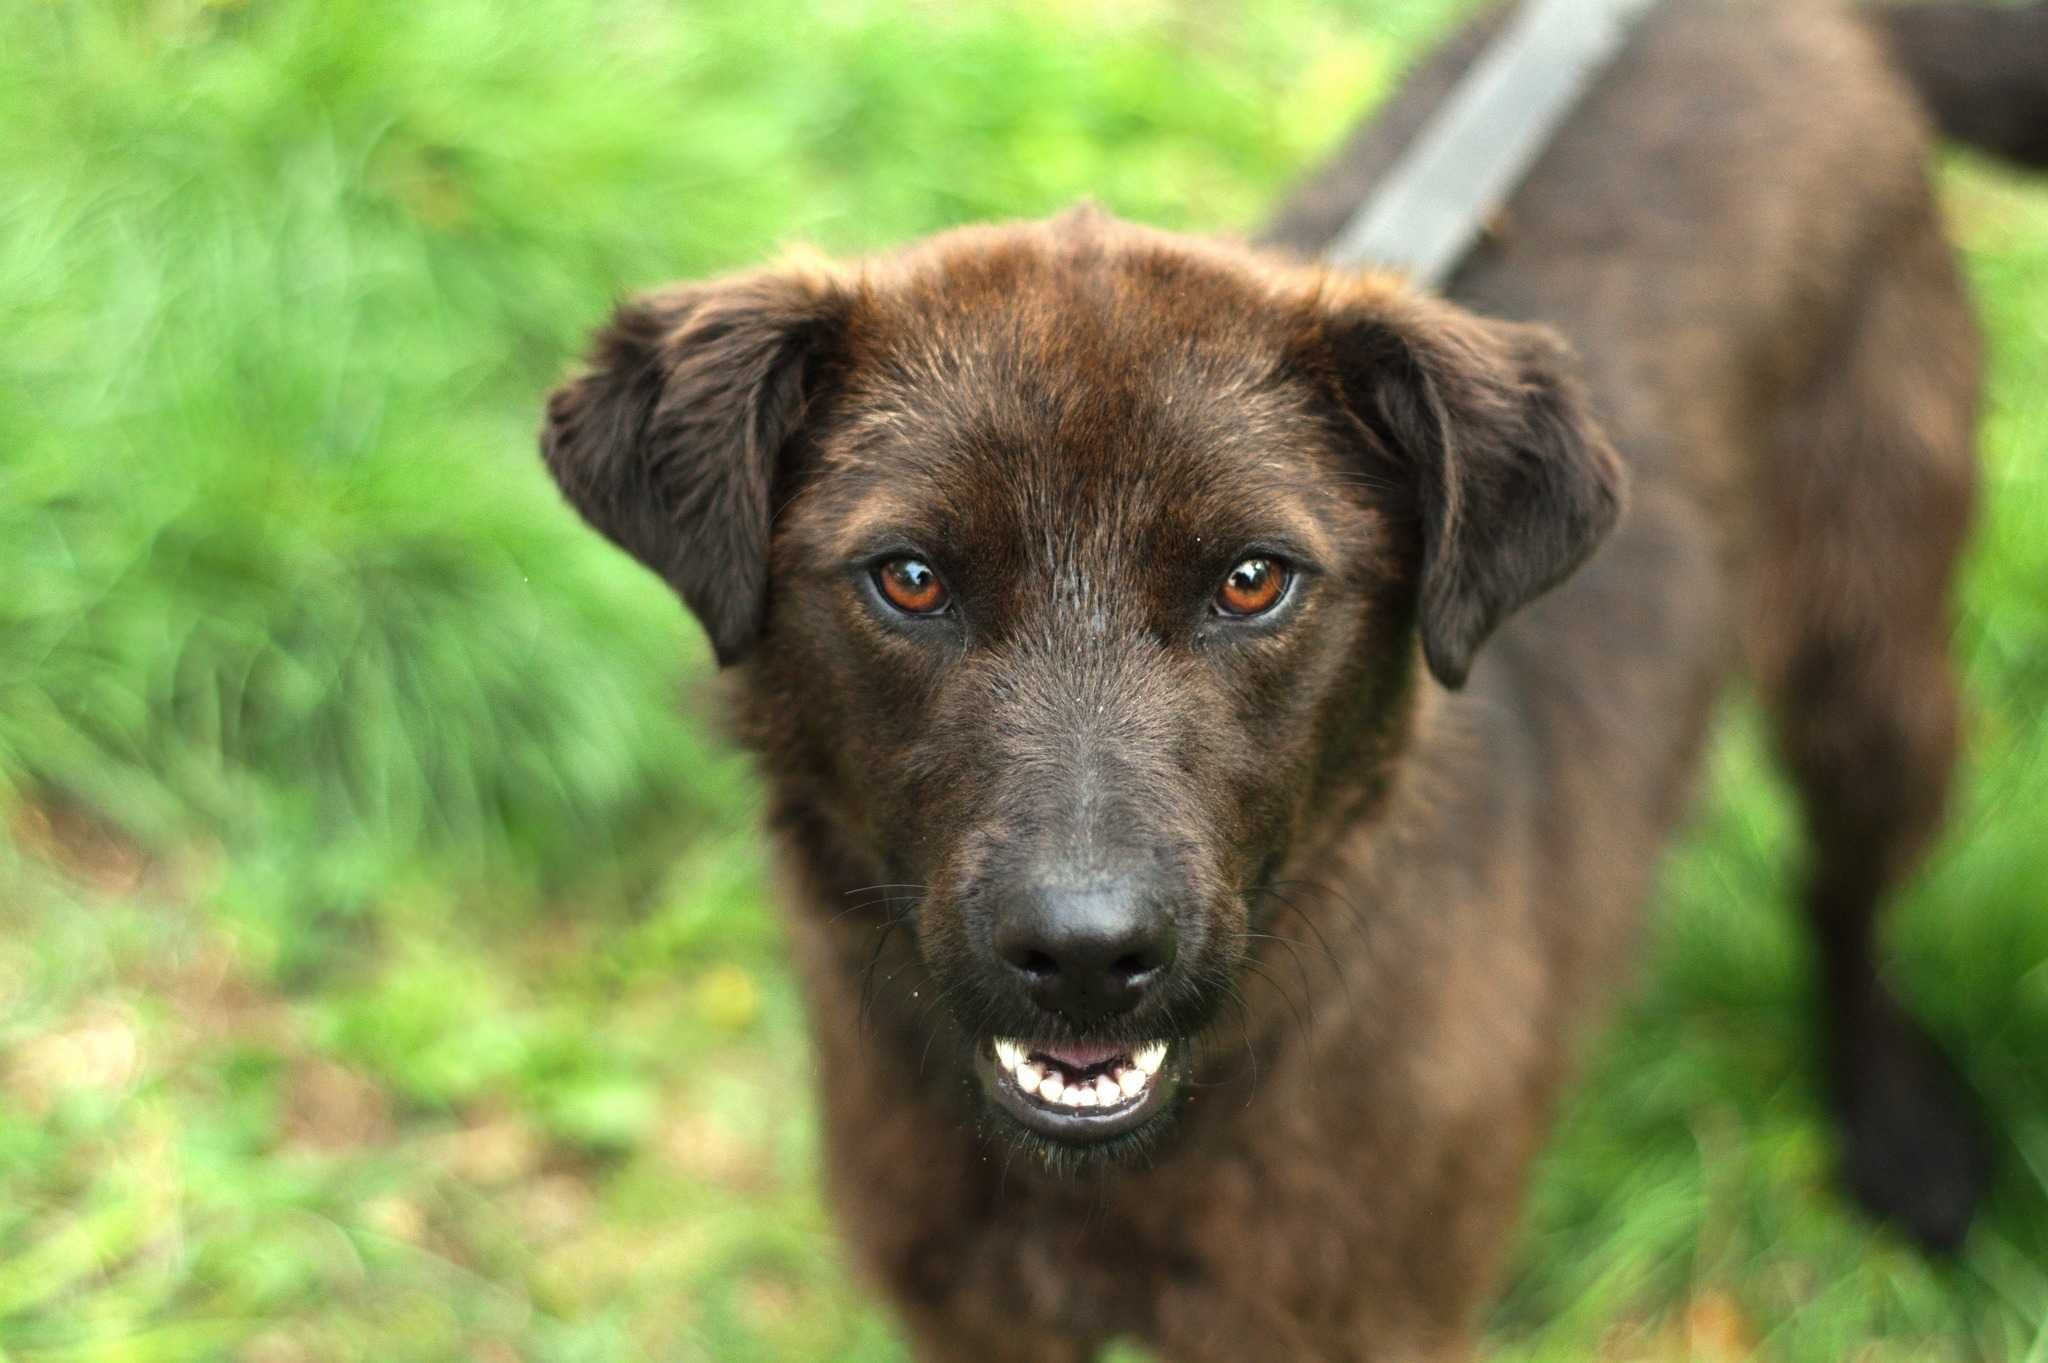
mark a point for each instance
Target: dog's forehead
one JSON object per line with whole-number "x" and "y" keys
{"x": 1013, "y": 393}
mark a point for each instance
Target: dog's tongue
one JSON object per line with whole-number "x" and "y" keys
{"x": 1080, "y": 1057}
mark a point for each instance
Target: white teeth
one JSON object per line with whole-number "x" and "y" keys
{"x": 1122, "y": 1083}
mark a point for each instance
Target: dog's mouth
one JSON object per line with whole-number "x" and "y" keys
{"x": 1079, "y": 1094}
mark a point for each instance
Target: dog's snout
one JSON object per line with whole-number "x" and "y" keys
{"x": 1086, "y": 953}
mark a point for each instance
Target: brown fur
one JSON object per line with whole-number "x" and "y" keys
{"x": 1404, "y": 829}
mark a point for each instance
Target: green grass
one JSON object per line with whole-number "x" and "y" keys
{"x": 384, "y": 965}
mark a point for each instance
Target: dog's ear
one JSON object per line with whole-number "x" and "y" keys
{"x": 670, "y": 443}
{"x": 1484, "y": 423}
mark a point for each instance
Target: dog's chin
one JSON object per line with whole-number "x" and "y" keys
{"x": 1081, "y": 1105}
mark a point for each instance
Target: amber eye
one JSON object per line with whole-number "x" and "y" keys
{"x": 910, "y": 585}
{"x": 1253, "y": 587}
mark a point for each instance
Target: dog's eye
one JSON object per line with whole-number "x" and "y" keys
{"x": 910, "y": 585}
{"x": 1253, "y": 587}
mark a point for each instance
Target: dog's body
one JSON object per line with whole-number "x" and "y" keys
{"x": 1418, "y": 893}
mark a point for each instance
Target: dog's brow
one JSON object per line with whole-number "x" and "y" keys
{"x": 1274, "y": 514}
{"x": 1297, "y": 532}
{"x": 879, "y": 522}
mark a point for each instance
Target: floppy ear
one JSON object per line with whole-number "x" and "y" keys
{"x": 671, "y": 443}
{"x": 1513, "y": 483}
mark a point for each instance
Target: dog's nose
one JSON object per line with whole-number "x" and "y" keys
{"x": 1088, "y": 953}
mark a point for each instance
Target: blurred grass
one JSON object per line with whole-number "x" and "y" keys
{"x": 384, "y": 971}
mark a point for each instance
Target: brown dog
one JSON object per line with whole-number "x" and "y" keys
{"x": 1107, "y": 610}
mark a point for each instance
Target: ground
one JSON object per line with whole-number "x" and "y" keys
{"x": 385, "y": 968}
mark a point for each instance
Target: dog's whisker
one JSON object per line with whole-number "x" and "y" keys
{"x": 1301, "y": 1017}
{"x": 1307, "y": 991}
{"x": 1331, "y": 895}
{"x": 927, "y": 1008}
{"x": 1003, "y": 1175}
{"x": 1234, "y": 997}
{"x": 888, "y": 903}
{"x": 1288, "y": 945}
{"x": 886, "y": 930}
{"x": 1322, "y": 943}
{"x": 1301, "y": 970}
{"x": 1336, "y": 963}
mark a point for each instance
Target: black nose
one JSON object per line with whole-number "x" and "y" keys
{"x": 1089, "y": 953}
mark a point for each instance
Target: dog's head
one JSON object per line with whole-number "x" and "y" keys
{"x": 1073, "y": 569}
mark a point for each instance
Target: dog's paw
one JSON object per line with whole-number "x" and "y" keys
{"x": 1915, "y": 1152}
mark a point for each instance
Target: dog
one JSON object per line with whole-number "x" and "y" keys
{"x": 1112, "y": 610}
